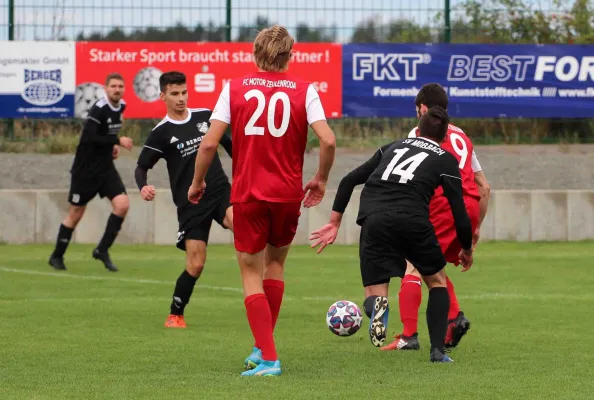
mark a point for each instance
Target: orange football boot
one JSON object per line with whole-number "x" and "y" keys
{"x": 402, "y": 342}
{"x": 175, "y": 321}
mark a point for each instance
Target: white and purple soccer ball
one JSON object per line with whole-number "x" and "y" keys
{"x": 85, "y": 96}
{"x": 344, "y": 318}
{"x": 146, "y": 84}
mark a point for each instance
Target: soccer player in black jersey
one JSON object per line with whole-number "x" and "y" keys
{"x": 176, "y": 139}
{"x": 400, "y": 180}
{"x": 93, "y": 172}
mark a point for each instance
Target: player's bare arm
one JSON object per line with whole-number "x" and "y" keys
{"x": 327, "y": 234}
{"x": 485, "y": 193}
{"x": 206, "y": 153}
{"x": 452, "y": 189}
{"x": 316, "y": 188}
{"x": 327, "y": 148}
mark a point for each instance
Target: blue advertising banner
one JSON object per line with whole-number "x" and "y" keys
{"x": 382, "y": 80}
{"x": 37, "y": 79}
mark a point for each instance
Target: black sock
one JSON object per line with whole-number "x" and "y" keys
{"x": 438, "y": 306}
{"x": 114, "y": 224}
{"x": 64, "y": 236}
{"x": 368, "y": 305}
{"x": 182, "y": 293}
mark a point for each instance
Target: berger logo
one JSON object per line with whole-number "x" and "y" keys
{"x": 43, "y": 88}
{"x": 202, "y": 127}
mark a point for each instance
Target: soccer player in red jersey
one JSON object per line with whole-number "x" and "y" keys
{"x": 476, "y": 192}
{"x": 269, "y": 112}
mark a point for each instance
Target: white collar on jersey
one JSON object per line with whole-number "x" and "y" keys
{"x": 118, "y": 108}
{"x": 178, "y": 122}
{"x": 428, "y": 140}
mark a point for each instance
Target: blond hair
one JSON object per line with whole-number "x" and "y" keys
{"x": 272, "y": 49}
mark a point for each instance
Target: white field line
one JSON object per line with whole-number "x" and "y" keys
{"x": 143, "y": 281}
{"x": 480, "y": 296}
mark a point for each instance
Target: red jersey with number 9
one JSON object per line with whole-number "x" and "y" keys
{"x": 269, "y": 127}
{"x": 459, "y": 145}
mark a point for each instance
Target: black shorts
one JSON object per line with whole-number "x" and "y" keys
{"x": 390, "y": 238}
{"x": 195, "y": 220}
{"x": 84, "y": 188}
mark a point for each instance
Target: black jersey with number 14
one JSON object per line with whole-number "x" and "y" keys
{"x": 405, "y": 179}
{"x": 177, "y": 142}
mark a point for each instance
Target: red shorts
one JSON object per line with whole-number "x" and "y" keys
{"x": 258, "y": 223}
{"x": 445, "y": 229}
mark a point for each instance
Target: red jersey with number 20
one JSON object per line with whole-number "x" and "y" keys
{"x": 269, "y": 125}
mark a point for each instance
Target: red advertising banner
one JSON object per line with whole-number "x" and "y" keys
{"x": 208, "y": 66}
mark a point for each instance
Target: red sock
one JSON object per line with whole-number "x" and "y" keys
{"x": 274, "y": 290}
{"x": 454, "y": 306}
{"x": 409, "y": 301}
{"x": 258, "y": 314}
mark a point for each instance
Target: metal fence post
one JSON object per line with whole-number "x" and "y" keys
{"x": 10, "y": 130}
{"x": 447, "y": 28}
{"x": 228, "y": 27}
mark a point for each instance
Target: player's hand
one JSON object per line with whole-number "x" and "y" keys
{"x": 115, "y": 153}
{"x": 195, "y": 193}
{"x": 148, "y": 193}
{"x": 324, "y": 236}
{"x": 314, "y": 192}
{"x": 475, "y": 237}
{"x": 466, "y": 259}
{"x": 126, "y": 142}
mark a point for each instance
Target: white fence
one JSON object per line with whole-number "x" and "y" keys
{"x": 33, "y": 216}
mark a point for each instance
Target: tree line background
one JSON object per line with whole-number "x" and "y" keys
{"x": 473, "y": 21}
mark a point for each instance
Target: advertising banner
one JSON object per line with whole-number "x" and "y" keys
{"x": 545, "y": 81}
{"x": 208, "y": 66}
{"x": 37, "y": 79}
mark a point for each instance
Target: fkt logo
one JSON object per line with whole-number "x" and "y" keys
{"x": 388, "y": 66}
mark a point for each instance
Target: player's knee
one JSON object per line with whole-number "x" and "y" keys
{"x": 436, "y": 280}
{"x": 274, "y": 270}
{"x": 250, "y": 260}
{"x": 414, "y": 273}
{"x": 194, "y": 267}
{"x": 121, "y": 204}
{"x": 411, "y": 270}
{"x": 75, "y": 214}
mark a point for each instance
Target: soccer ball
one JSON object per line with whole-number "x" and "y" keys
{"x": 85, "y": 96}
{"x": 344, "y": 318}
{"x": 146, "y": 84}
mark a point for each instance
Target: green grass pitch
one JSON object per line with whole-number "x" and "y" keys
{"x": 91, "y": 334}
